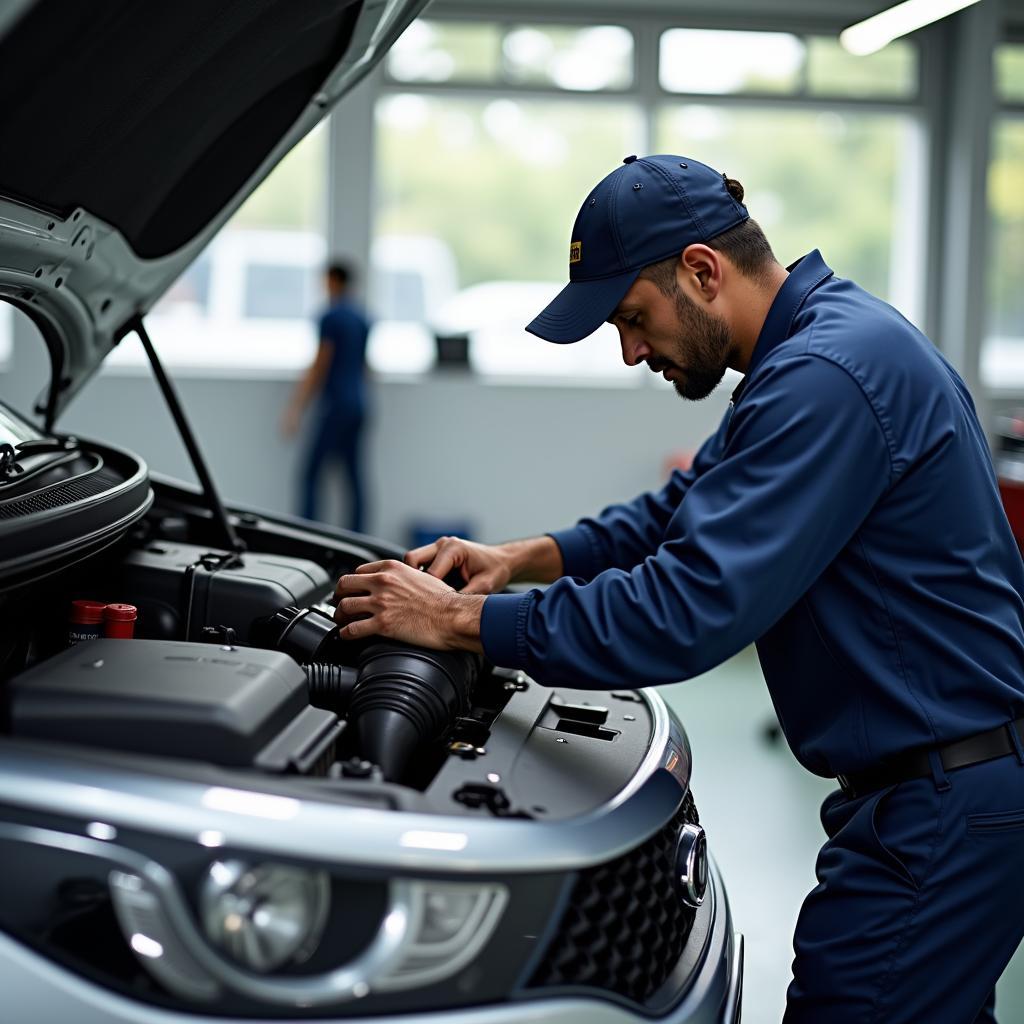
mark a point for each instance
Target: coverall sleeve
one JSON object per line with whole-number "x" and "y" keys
{"x": 805, "y": 460}
{"x": 623, "y": 535}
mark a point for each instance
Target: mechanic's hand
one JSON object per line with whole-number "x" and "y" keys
{"x": 393, "y": 600}
{"x": 484, "y": 568}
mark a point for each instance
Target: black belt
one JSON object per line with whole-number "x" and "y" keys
{"x": 916, "y": 764}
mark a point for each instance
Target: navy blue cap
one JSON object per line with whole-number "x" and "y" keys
{"x": 644, "y": 211}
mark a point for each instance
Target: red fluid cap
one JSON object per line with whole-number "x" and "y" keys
{"x": 120, "y": 613}
{"x": 87, "y": 612}
{"x": 119, "y": 621}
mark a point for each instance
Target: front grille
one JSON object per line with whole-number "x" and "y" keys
{"x": 625, "y": 926}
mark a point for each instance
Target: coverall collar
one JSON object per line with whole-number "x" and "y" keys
{"x": 804, "y": 276}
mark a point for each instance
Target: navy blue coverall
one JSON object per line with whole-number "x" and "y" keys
{"x": 845, "y": 517}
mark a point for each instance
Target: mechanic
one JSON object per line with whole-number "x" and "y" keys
{"x": 845, "y": 517}
{"x": 337, "y": 380}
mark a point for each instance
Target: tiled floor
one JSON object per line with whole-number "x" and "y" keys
{"x": 760, "y": 810}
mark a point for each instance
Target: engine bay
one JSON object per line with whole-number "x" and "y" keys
{"x": 232, "y": 658}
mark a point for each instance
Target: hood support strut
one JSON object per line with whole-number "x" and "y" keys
{"x": 220, "y": 516}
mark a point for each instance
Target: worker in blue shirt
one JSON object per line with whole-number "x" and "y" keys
{"x": 845, "y": 518}
{"x": 336, "y": 381}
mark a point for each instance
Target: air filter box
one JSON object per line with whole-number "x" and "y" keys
{"x": 179, "y": 588}
{"x": 234, "y": 707}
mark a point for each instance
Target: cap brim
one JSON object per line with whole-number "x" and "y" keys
{"x": 580, "y": 308}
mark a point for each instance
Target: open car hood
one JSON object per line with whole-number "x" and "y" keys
{"x": 132, "y": 131}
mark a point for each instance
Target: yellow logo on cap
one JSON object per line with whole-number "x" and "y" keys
{"x": 575, "y": 252}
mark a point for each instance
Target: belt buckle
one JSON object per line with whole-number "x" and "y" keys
{"x": 847, "y": 787}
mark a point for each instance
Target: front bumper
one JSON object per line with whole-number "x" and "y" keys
{"x": 39, "y": 990}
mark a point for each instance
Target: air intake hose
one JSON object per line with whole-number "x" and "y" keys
{"x": 330, "y": 686}
{"x": 407, "y": 698}
{"x": 307, "y": 634}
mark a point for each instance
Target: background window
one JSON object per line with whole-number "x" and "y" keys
{"x": 724, "y": 62}
{"x": 833, "y": 71}
{"x": 438, "y": 51}
{"x": 596, "y": 57}
{"x": 838, "y": 181}
{"x": 1010, "y": 72}
{"x": 478, "y": 197}
{"x": 712, "y": 61}
{"x": 1003, "y": 352}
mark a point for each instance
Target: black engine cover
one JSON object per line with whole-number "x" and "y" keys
{"x": 232, "y": 707}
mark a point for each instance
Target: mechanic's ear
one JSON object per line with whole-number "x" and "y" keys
{"x": 702, "y": 269}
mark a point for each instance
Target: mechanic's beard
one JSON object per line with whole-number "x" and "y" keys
{"x": 702, "y": 346}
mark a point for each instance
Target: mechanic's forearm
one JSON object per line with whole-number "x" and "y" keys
{"x": 463, "y": 622}
{"x": 536, "y": 560}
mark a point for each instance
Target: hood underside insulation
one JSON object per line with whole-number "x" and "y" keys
{"x": 153, "y": 115}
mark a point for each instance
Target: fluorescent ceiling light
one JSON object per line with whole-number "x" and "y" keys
{"x": 873, "y": 33}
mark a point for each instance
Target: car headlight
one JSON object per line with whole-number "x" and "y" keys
{"x": 266, "y": 915}
{"x": 450, "y": 924}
